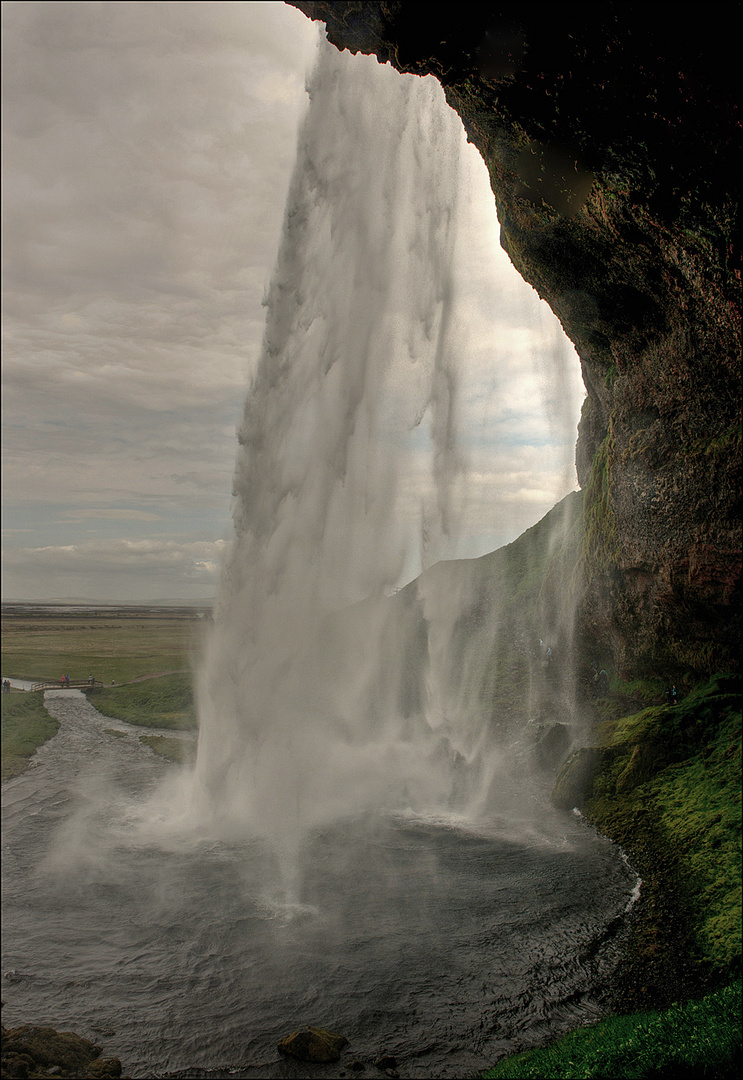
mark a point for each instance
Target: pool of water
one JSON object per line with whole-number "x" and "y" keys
{"x": 442, "y": 941}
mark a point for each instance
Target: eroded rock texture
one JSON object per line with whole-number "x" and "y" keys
{"x": 611, "y": 132}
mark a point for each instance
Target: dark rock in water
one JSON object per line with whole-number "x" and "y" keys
{"x": 551, "y": 744}
{"x": 104, "y": 1068}
{"x": 34, "y": 1051}
{"x": 386, "y": 1061}
{"x": 313, "y": 1044}
{"x": 574, "y": 784}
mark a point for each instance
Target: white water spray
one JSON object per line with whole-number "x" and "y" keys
{"x": 357, "y": 354}
{"x": 320, "y": 696}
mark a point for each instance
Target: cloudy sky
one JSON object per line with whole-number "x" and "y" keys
{"x": 148, "y": 149}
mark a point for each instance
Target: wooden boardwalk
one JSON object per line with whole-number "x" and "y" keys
{"x": 73, "y": 684}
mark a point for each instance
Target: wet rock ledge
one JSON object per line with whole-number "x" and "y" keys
{"x": 34, "y": 1052}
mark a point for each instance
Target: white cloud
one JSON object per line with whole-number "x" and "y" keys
{"x": 100, "y": 513}
{"x": 148, "y": 148}
{"x": 110, "y": 569}
{"x": 147, "y": 153}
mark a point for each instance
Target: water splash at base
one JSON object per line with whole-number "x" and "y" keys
{"x": 295, "y": 730}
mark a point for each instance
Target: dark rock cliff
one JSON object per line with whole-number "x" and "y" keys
{"x": 611, "y": 132}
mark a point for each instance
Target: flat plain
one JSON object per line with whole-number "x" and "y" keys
{"x": 115, "y": 645}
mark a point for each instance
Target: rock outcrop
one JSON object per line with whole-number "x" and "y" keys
{"x": 29, "y": 1051}
{"x": 611, "y": 133}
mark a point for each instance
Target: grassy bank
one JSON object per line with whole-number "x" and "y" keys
{"x": 25, "y": 726}
{"x": 669, "y": 791}
{"x": 166, "y": 702}
{"x": 180, "y": 751}
{"x": 670, "y": 794}
{"x": 697, "y": 1039}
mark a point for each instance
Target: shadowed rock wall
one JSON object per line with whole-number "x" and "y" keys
{"x": 611, "y": 132}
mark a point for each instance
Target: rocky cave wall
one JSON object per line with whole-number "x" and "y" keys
{"x": 611, "y": 132}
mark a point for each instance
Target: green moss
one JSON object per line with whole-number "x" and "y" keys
{"x": 725, "y": 442}
{"x": 641, "y": 689}
{"x": 694, "y": 1039}
{"x": 26, "y": 725}
{"x": 700, "y": 809}
{"x": 671, "y": 791}
{"x": 611, "y": 375}
{"x": 166, "y": 702}
{"x": 600, "y": 538}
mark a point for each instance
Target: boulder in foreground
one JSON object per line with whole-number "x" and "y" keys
{"x": 313, "y": 1044}
{"x": 37, "y": 1051}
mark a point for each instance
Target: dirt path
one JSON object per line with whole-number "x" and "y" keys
{"x": 26, "y": 684}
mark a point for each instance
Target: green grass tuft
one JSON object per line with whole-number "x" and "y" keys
{"x": 699, "y": 1039}
{"x": 600, "y": 541}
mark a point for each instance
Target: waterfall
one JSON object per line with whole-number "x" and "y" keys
{"x": 320, "y": 696}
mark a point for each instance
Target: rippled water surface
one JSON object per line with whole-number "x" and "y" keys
{"x": 440, "y": 941}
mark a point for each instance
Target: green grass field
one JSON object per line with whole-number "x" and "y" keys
{"x": 180, "y": 751}
{"x": 113, "y": 647}
{"x": 165, "y": 702}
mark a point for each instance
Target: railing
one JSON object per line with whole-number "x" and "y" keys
{"x": 73, "y": 684}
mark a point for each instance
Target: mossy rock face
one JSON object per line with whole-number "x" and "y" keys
{"x": 574, "y": 784}
{"x": 313, "y": 1044}
{"x": 669, "y": 793}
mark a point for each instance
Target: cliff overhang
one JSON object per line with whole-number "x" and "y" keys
{"x": 611, "y": 133}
